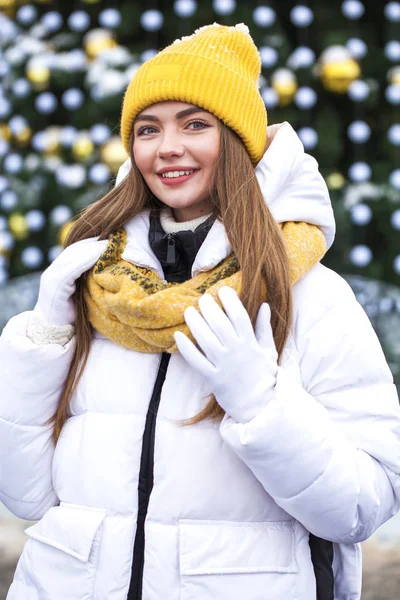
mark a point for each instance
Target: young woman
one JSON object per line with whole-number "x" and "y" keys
{"x": 196, "y": 408}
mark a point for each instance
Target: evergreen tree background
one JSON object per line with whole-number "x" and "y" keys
{"x": 64, "y": 67}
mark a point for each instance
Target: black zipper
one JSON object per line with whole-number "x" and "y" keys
{"x": 171, "y": 255}
{"x": 146, "y": 479}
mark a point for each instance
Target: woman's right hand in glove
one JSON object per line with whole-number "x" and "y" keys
{"x": 55, "y": 304}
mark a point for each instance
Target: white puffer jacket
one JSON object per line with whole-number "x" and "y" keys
{"x": 232, "y": 504}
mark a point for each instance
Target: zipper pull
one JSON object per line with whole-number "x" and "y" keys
{"x": 171, "y": 250}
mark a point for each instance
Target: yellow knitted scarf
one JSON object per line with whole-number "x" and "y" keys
{"x": 133, "y": 307}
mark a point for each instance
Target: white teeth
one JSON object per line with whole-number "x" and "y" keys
{"x": 170, "y": 174}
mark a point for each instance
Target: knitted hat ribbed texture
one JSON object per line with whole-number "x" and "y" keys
{"x": 216, "y": 68}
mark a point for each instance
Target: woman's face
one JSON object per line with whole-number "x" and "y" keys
{"x": 176, "y": 136}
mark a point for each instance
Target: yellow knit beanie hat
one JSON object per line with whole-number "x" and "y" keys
{"x": 216, "y": 68}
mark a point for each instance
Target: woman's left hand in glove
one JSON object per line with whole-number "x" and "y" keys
{"x": 240, "y": 363}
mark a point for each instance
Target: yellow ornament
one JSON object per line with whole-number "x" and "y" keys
{"x": 98, "y": 40}
{"x": 284, "y": 82}
{"x": 5, "y": 132}
{"x": 8, "y": 8}
{"x": 18, "y": 226}
{"x": 394, "y": 75}
{"x": 82, "y": 148}
{"x": 335, "y": 181}
{"x": 63, "y": 232}
{"x": 113, "y": 154}
{"x": 39, "y": 76}
{"x": 52, "y": 141}
{"x": 23, "y": 136}
{"x": 337, "y": 69}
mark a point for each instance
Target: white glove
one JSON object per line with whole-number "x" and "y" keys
{"x": 240, "y": 364}
{"x": 57, "y": 283}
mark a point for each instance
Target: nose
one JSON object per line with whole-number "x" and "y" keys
{"x": 170, "y": 145}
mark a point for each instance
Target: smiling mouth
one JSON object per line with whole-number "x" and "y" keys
{"x": 177, "y": 180}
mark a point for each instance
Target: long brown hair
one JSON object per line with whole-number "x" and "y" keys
{"x": 253, "y": 233}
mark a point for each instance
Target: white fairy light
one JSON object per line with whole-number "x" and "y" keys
{"x": 53, "y": 252}
{"x": 394, "y": 179}
{"x": 396, "y": 265}
{"x": 110, "y": 17}
{"x": 35, "y": 220}
{"x": 8, "y": 200}
{"x": 9, "y": 30}
{"x": 360, "y": 256}
{"x": 359, "y": 90}
{"x": 395, "y": 219}
{"x": 353, "y": 9}
{"x": 301, "y": 58}
{"x": 26, "y": 14}
{"x": 71, "y": 176}
{"x": 52, "y": 21}
{"x": 100, "y": 133}
{"x": 359, "y": 132}
{"x": 99, "y": 173}
{"x": 359, "y": 172}
{"x": 4, "y": 147}
{"x": 17, "y": 123}
{"x": 309, "y": 137}
{"x": 185, "y": 8}
{"x": 15, "y": 57}
{"x": 393, "y": 134}
{"x": 152, "y": 20}
{"x": 60, "y": 214}
{"x": 264, "y": 16}
{"x": 270, "y": 97}
{"x": 269, "y": 56}
{"x": 386, "y": 304}
{"x": 13, "y": 163}
{"x": 46, "y": 103}
{"x": 305, "y": 98}
{"x": 38, "y": 141}
{"x": 21, "y": 88}
{"x": 148, "y": 54}
{"x": 32, "y": 257}
{"x": 361, "y": 214}
{"x": 392, "y": 12}
{"x": 79, "y": 21}
{"x": 73, "y": 98}
{"x": 392, "y": 94}
{"x": 301, "y": 16}
{"x": 5, "y": 108}
{"x": 224, "y": 7}
{"x": 68, "y": 135}
{"x": 7, "y": 241}
{"x": 392, "y": 50}
{"x": 32, "y": 162}
{"x": 358, "y": 48}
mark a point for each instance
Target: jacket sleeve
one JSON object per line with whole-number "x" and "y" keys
{"x": 31, "y": 382}
{"x": 327, "y": 448}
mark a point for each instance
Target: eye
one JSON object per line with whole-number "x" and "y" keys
{"x": 140, "y": 131}
{"x": 202, "y": 123}
{"x": 197, "y": 121}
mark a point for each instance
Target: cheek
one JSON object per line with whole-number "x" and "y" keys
{"x": 141, "y": 158}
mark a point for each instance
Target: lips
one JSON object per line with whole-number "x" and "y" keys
{"x": 177, "y": 180}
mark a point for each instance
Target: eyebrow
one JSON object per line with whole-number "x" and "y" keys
{"x": 179, "y": 115}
